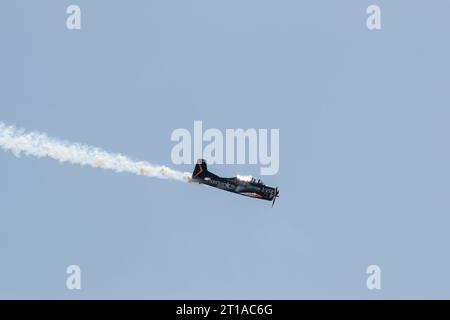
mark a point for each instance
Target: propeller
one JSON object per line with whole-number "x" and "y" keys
{"x": 275, "y": 196}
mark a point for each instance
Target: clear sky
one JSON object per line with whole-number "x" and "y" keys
{"x": 364, "y": 148}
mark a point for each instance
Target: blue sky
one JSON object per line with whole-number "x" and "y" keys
{"x": 364, "y": 149}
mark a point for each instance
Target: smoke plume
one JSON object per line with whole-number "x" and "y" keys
{"x": 40, "y": 145}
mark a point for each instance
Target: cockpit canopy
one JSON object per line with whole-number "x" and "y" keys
{"x": 249, "y": 179}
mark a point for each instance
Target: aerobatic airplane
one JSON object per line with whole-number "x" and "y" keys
{"x": 246, "y": 186}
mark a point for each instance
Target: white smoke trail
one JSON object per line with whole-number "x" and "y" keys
{"x": 40, "y": 145}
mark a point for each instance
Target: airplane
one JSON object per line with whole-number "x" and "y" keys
{"x": 246, "y": 186}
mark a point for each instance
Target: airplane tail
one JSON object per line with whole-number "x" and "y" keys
{"x": 200, "y": 170}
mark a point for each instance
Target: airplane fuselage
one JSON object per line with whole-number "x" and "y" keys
{"x": 249, "y": 189}
{"x": 246, "y": 186}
